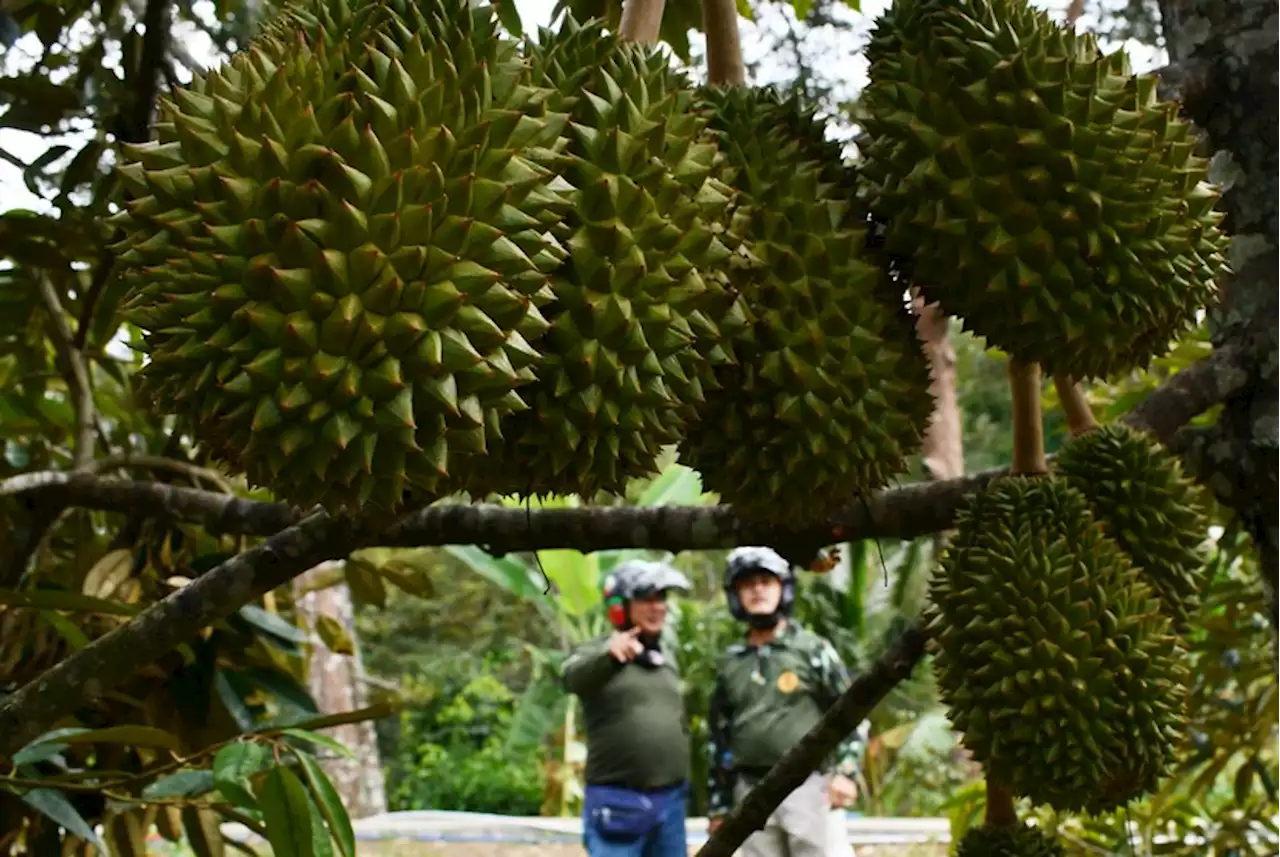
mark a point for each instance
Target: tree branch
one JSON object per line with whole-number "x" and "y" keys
{"x": 77, "y": 374}
{"x": 853, "y": 706}
{"x": 903, "y": 513}
{"x": 113, "y": 657}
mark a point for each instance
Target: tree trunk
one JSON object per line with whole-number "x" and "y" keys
{"x": 1223, "y": 62}
{"x": 943, "y": 453}
{"x": 337, "y": 683}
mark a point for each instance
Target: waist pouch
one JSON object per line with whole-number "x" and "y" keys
{"x": 622, "y": 814}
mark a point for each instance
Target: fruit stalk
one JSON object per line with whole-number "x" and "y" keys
{"x": 1000, "y": 808}
{"x": 1074, "y": 405}
{"x": 641, "y": 21}
{"x": 724, "y": 43}
{"x": 1028, "y": 427}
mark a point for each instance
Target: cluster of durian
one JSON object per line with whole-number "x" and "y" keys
{"x": 1039, "y": 191}
{"x": 385, "y": 253}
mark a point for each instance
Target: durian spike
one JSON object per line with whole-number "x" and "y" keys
{"x": 641, "y": 21}
{"x": 1028, "y": 426}
{"x": 1079, "y": 415}
{"x": 1000, "y": 811}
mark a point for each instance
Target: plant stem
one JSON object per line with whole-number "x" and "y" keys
{"x": 1000, "y": 809}
{"x": 641, "y": 21}
{"x": 1074, "y": 405}
{"x": 1028, "y": 427}
{"x": 724, "y": 43}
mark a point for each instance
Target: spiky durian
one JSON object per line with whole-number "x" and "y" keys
{"x": 337, "y": 248}
{"x": 1053, "y": 656}
{"x": 641, "y": 313}
{"x": 1035, "y": 187}
{"x": 1020, "y": 840}
{"x": 1138, "y": 491}
{"x": 831, "y": 392}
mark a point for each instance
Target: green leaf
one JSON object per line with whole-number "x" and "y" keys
{"x": 133, "y": 736}
{"x": 576, "y": 576}
{"x": 233, "y": 767}
{"x": 802, "y": 8}
{"x": 67, "y": 629}
{"x": 270, "y": 623}
{"x": 334, "y": 636}
{"x": 47, "y": 745}
{"x": 319, "y": 740}
{"x": 287, "y": 812}
{"x": 367, "y": 588}
{"x": 284, "y": 687}
{"x": 677, "y": 486}
{"x": 55, "y": 805}
{"x": 514, "y": 577}
{"x": 182, "y": 784}
{"x": 53, "y": 599}
{"x": 326, "y": 797}
{"x": 324, "y": 721}
{"x": 233, "y": 700}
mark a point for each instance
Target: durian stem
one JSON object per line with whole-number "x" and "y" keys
{"x": 641, "y": 21}
{"x": 1028, "y": 426}
{"x": 1074, "y": 405}
{"x": 1001, "y": 811}
{"x": 724, "y": 43}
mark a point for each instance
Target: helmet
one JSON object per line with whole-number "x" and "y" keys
{"x": 749, "y": 560}
{"x": 636, "y": 578}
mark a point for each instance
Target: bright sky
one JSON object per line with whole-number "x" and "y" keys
{"x": 837, "y": 50}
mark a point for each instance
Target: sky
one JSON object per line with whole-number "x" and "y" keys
{"x": 838, "y": 47}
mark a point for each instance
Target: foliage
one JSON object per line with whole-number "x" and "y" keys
{"x": 461, "y": 754}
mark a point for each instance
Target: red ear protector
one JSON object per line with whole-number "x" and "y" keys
{"x": 615, "y": 605}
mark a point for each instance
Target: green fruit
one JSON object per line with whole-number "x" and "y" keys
{"x": 337, "y": 250}
{"x": 830, "y": 394}
{"x": 1052, "y": 654}
{"x": 1138, "y": 491}
{"x": 1035, "y": 187}
{"x": 642, "y": 314}
{"x": 1018, "y": 841}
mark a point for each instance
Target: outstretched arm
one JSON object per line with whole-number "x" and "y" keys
{"x": 588, "y": 667}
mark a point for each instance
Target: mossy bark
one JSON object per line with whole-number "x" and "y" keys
{"x": 1223, "y": 55}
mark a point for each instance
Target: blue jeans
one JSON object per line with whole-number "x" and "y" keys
{"x": 665, "y": 839}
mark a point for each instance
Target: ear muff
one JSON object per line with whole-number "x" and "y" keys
{"x": 616, "y": 609}
{"x": 615, "y": 606}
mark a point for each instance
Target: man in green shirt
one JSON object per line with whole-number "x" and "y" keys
{"x": 770, "y": 690}
{"x": 637, "y": 734}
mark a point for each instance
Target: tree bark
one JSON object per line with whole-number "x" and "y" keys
{"x": 1227, "y": 51}
{"x": 943, "y": 451}
{"x": 336, "y": 683}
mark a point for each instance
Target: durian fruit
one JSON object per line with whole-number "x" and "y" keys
{"x": 1020, "y": 840}
{"x": 337, "y": 249}
{"x": 1035, "y": 187}
{"x": 830, "y": 394}
{"x": 642, "y": 313}
{"x": 1137, "y": 489}
{"x": 1052, "y": 654}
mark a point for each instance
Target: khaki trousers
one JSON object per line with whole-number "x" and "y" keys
{"x": 797, "y": 828}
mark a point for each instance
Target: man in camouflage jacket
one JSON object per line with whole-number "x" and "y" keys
{"x": 770, "y": 690}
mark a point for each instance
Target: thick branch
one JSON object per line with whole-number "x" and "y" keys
{"x": 724, "y": 43}
{"x": 113, "y": 657}
{"x": 1079, "y": 415}
{"x": 902, "y": 513}
{"x": 77, "y": 374}
{"x": 853, "y": 706}
{"x": 641, "y": 20}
